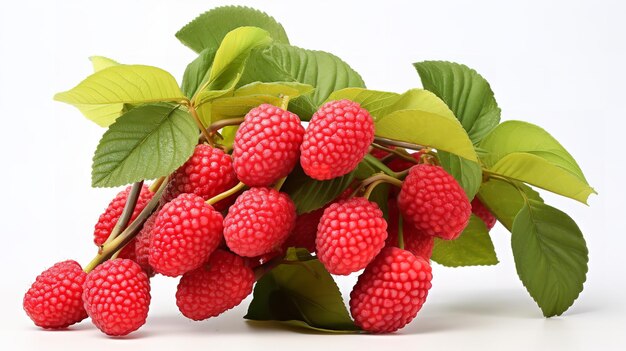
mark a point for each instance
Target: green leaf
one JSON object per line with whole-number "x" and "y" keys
{"x": 99, "y": 95}
{"x": 427, "y": 129}
{"x": 284, "y": 63}
{"x": 100, "y": 62}
{"x": 472, "y": 248}
{"x": 238, "y": 106}
{"x": 147, "y": 142}
{"x": 197, "y": 71}
{"x": 232, "y": 54}
{"x": 300, "y": 293}
{"x": 550, "y": 256}
{"x": 208, "y": 29}
{"x": 376, "y": 102}
{"x": 291, "y": 89}
{"x": 505, "y": 200}
{"x": 466, "y": 92}
{"x": 467, "y": 173}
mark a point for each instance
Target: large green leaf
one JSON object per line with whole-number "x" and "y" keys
{"x": 427, "y": 129}
{"x": 324, "y": 71}
{"x": 472, "y": 248}
{"x": 301, "y": 293}
{"x": 505, "y": 200}
{"x": 466, "y": 92}
{"x": 467, "y": 173}
{"x": 550, "y": 256}
{"x": 197, "y": 72}
{"x": 208, "y": 29}
{"x": 100, "y": 94}
{"x": 147, "y": 142}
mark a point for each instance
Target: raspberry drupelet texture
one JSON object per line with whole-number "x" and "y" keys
{"x": 109, "y": 218}
{"x": 415, "y": 241}
{"x": 390, "y": 292}
{"x": 267, "y": 145}
{"x": 117, "y": 296}
{"x": 217, "y": 286}
{"x": 259, "y": 222}
{"x": 336, "y": 140}
{"x": 305, "y": 230}
{"x": 350, "y": 234}
{"x": 433, "y": 202}
{"x": 185, "y": 233}
{"x": 142, "y": 245}
{"x": 54, "y": 300}
{"x": 207, "y": 173}
{"x": 479, "y": 209}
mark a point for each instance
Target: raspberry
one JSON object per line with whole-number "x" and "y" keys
{"x": 117, "y": 296}
{"x": 336, "y": 140}
{"x": 380, "y": 154}
{"x": 479, "y": 209}
{"x": 390, "y": 292}
{"x": 186, "y": 231}
{"x": 207, "y": 173}
{"x": 214, "y": 288}
{"x": 267, "y": 145}
{"x": 305, "y": 230}
{"x": 55, "y": 299}
{"x": 259, "y": 222}
{"x": 350, "y": 233}
{"x": 109, "y": 218}
{"x": 142, "y": 245}
{"x": 432, "y": 201}
{"x": 416, "y": 242}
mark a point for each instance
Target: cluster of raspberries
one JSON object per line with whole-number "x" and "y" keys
{"x": 215, "y": 246}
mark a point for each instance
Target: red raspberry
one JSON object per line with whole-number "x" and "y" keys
{"x": 117, "y": 296}
{"x": 336, "y": 140}
{"x": 109, "y": 218}
{"x": 380, "y": 154}
{"x": 185, "y": 233}
{"x": 142, "y": 245}
{"x": 432, "y": 201}
{"x": 259, "y": 222}
{"x": 305, "y": 230}
{"x": 391, "y": 291}
{"x": 214, "y": 288}
{"x": 416, "y": 242}
{"x": 350, "y": 233}
{"x": 55, "y": 298}
{"x": 267, "y": 145}
{"x": 479, "y": 209}
{"x": 207, "y": 173}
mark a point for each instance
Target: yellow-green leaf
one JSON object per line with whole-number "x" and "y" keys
{"x": 100, "y": 62}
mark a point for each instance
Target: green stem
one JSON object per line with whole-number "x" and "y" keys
{"x": 395, "y": 152}
{"x": 127, "y": 212}
{"x": 400, "y": 232}
{"x": 284, "y": 103}
{"x": 156, "y": 184}
{"x": 384, "y": 177}
{"x": 196, "y": 119}
{"x": 279, "y": 183}
{"x": 225, "y": 123}
{"x": 371, "y": 187}
{"x": 219, "y": 197}
{"x": 404, "y": 144}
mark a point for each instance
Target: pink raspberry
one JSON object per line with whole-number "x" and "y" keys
{"x": 350, "y": 233}
{"x": 185, "y": 233}
{"x": 55, "y": 299}
{"x": 259, "y": 222}
{"x": 416, "y": 242}
{"x": 109, "y": 218}
{"x": 215, "y": 287}
{"x": 433, "y": 202}
{"x": 117, "y": 296}
{"x": 142, "y": 245}
{"x": 305, "y": 230}
{"x": 479, "y": 209}
{"x": 267, "y": 145}
{"x": 336, "y": 140}
{"x": 391, "y": 291}
{"x": 207, "y": 173}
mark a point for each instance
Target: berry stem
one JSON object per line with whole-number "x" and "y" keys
{"x": 214, "y": 127}
{"x": 108, "y": 250}
{"x": 156, "y": 184}
{"x": 384, "y": 177}
{"x": 371, "y": 187}
{"x": 284, "y": 103}
{"x": 196, "y": 119}
{"x": 127, "y": 212}
{"x": 279, "y": 183}
{"x": 400, "y": 232}
{"x": 395, "y": 152}
{"x": 219, "y": 197}
{"x": 404, "y": 144}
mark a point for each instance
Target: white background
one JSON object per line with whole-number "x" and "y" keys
{"x": 558, "y": 64}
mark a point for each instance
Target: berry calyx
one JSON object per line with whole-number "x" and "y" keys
{"x": 482, "y": 212}
{"x": 433, "y": 202}
{"x": 185, "y": 233}
{"x": 117, "y": 296}
{"x": 217, "y": 286}
{"x": 336, "y": 139}
{"x": 259, "y": 222}
{"x": 350, "y": 234}
{"x": 267, "y": 145}
{"x": 390, "y": 292}
{"x": 54, "y": 300}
